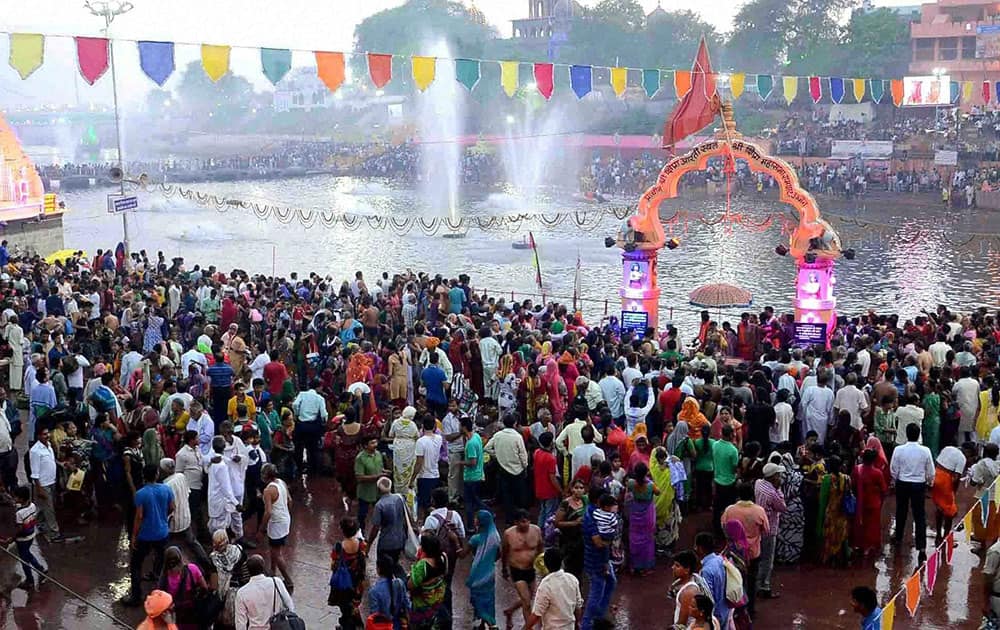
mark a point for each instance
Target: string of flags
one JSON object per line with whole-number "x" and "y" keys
{"x": 156, "y": 59}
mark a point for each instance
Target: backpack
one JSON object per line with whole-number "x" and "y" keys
{"x": 283, "y": 619}
{"x": 447, "y": 535}
{"x": 735, "y": 595}
{"x": 380, "y": 621}
{"x": 550, "y": 533}
{"x": 341, "y": 580}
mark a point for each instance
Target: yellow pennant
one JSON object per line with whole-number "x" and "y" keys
{"x": 859, "y": 89}
{"x": 423, "y": 71}
{"x": 26, "y": 52}
{"x": 215, "y": 61}
{"x": 619, "y": 78}
{"x": 736, "y": 83}
{"x": 966, "y": 91}
{"x": 790, "y": 85}
{"x": 967, "y": 523}
{"x": 889, "y": 615}
{"x": 508, "y": 76}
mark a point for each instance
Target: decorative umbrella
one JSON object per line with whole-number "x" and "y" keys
{"x": 720, "y": 295}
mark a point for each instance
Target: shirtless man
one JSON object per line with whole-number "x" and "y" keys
{"x": 369, "y": 320}
{"x": 522, "y": 543}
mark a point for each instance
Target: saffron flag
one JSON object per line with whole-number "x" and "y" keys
{"x": 896, "y": 89}
{"x": 27, "y": 50}
{"x": 913, "y": 593}
{"x": 92, "y": 56}
{"x": 700, "y": 104}
{"x": 815, "y": 89}
{"x": 790, "y": 85}
{"x": 955, "y": 91}
{"x": 467, "y": 72}
{"x": 275, "y": 63}
{"x": 157, "y": 60}
{"x": 330, "y": 69}
{"x": 215, "y": 60}
{"x": 930, "y": 574}
{"x": 544, "y": 79}
{"x": 949, "y": 546}
{"x": 836, "y": 89}
{"x": 424, "y": 69}
{"x": 765, "y": 85}
{"x": 380, "y": 69}
{"x": 651, "y": 81}
{"x": 967, "y": 88}
{"x": 508, "y": 76}
{"x": 889, "y": 615}
{"x": 858, "y": 87}
{"x": 581, "y": 79}
{"x": 984, "y": 507}
{"x": 736, "y": 83}
{"x": 878, "y": 89}
{"x": 619, "y": 80}
{"x": 682, "y": 83}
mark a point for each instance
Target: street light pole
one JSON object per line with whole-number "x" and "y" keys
{"x": 109, "y": 10}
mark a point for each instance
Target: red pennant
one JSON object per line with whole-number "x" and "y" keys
{"x": 380, "y": 69}
{"x": 815, "y": 89}
{"x": 949, "y": 547}
{"x": 543, "y": 79}
{"x": 92, "y": 56}
{"x": 698, "y": 107}
{"x": 986, "y": 92}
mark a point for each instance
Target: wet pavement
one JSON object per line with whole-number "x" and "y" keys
{"x": 811, "y": 596}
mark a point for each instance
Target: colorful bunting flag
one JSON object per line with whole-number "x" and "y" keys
{"x": 913, "y": 593}
{"x": 889, "y": 615}
{"x": 651, "y": 81}
{"x": 765, "y": 84}
{"x": 930, "y": 575}
{"x": 424, "y": 69}
{"x": 736, "y": 83}
{"x": 215, "y": 60}
{"x": 984, "y": 500}
{"x": 967, "y": 525}
{"x": 986, "y": 92}
{"x": 275, "y": 63}
{"x": 955, "y": 91}
{"x": 544, "y": 79}
{"x": 157, "y": 60}
{"x": 896, "y": 88}
{"x": 380, "y": 69}
{"x": 467, "y": 72}
{"x": 836, "y": 89}
{"x": 877, "y": 87}
{"x": 508, "y": 76}
{"x": 858, "y": 87}
{"x": 619, "y": 80}
{"x": 815, "y": 89}
{"x": 949, "y": 546}
{"x": 967, "y": 88}
{"x": 581, "y": 79}
{"x": 330, "y": 69}
{"x": 682, "y": 82}
{"x": 27, "y": 51}
{"x": 92, "y": 54}
{"x": 790, "y": 85}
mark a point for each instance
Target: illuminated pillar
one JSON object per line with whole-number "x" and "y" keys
{"x": 640, "y": 293}
{"x": 815, "y": 303}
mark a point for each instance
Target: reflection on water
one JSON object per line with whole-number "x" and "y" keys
{"x": 902, "y": 271}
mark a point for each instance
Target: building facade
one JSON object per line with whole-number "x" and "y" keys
{"x": 959, "y": 37}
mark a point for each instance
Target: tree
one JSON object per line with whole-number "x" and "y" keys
{"x": 758, "y": 41}
{"x": 626, "y": 14}
{"x": 216, "y": 105}
{"x": 671, "y": 39}
{"x": 877, "y": 44}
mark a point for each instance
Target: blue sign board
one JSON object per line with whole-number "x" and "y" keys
{"x": 121, "y": 203}
{"x": 635, "y": 322}
{"x": 809, "y": 334}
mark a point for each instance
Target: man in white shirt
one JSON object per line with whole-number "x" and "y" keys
{"x": 912, "y": 468}
{"x": 190, "y": 464}
{"x": 613, "y": 391}
{"x": 852, "y": 400}
{"x": 490, "y": 351}
{"x": 784, "y": 415}
{"x": 966, "y": 393}
{"x": 201, "y": 423}
{"x": 260, "y": 598}
{"x": 222, "y": 501}
{"x": 425, "y": 471}
{"x": 193, "y": 356}
{"x": 259, "y": 362}
{"x": 864, "y": 357}
{"x": 558, "y": 603}
{"x": 910, "y": 413}
{"x": 584, "y": 454}
{"x": 631, "y": 372}
{"x": 130, "y": 362}
{"x": 939, "y": 351}
{"x": 507, "y": 447}
{"x": 452, "y": 430}
{"x": 43, "y": 482}
{"x": 237, "y": 459}
{"x": 180, "y": 525}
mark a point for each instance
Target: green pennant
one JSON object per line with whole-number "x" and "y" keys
{"x": 467, "y": 72}
{"x": 765, "y": 83}
{"x": 276, "y": 62}
{"x": 651, "y": 81}
{"x": 877, "y": 90}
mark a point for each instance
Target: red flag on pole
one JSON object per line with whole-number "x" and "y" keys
{"x": 699, "y": 106}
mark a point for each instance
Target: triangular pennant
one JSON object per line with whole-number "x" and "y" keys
{"x": 92, "y": 56}
{"x": 215, "y": 60}
{"x": 877, "y": 87}
{"x": 984, "y": 503}
{"x": 651, "y": 81}
{"x": 619, "y": 80}
{"x": 930, "y": 574}
{"x": 509, "y": 79}
{"x": 967, "y": 88}
{"x": 949, "y": 546}
{"x": 27, "y": 51}
{"x": 699, "y": 106}
{"x": 544, "y": 79}
{"x": 986, "y": 92}
{"x": 858, "y": 87}
{"x": 896, "y": 89}
{"x": 889, "y": 615}
{"x": 913, "y": 593}
{"x": 967, "y": 525}
{"x": 736, "y": 84}
{"x": 682, "y": 82}
{"x": 424, "y": 69}
{"x": 581, "y": 80}
{"x": 467, "y": 72}
{"x": 765, "y": 85}
{"x": 956, "y": 91}
{"x": 790, "y": 85}
{"x": 380, "y": 69}
{"x": 330, "y": 69}
{"x": 275, "y": 63}
{"x": 157, "y": 60}
{"x": 836, "y": 89}
{"x": 815, "y": 89}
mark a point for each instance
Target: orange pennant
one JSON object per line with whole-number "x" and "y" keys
{"x": 897, "y": 91}
{"x": 682, "y": 82}
{"x": 913, "y": 593}
{"x": 330, "y": 69}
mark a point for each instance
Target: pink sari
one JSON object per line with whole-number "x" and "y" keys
{"x": 557, "y": 401}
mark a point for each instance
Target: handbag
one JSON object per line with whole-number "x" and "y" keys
{"x": 412, "y": 541}
{"x": 849, "y": 503}
{"x": 285, "y": 619}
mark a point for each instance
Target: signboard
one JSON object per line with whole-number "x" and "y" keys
{"x": 865, "y": 149}
{"x": 926, "y": 91}
{"x": 810, "y": 334}
{"x": 635, "y": 322}
{"x": 988, "y": 41}
{"x": 121, "y": 203}
{"x": 945, "y": 158}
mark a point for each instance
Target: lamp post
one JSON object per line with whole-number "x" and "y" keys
{"x": 109, "y": 10}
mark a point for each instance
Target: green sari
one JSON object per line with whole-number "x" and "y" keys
{"x": 931, "y": 429}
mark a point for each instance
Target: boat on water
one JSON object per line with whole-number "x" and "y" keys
{"x": 524, "y": 243}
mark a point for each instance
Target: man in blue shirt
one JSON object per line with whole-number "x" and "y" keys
{"x": 456, "y": 298}
{"x": 597, "y": 563}
{"x": 154, "y": 503}
{"x": 714, "y": 572}
{"x": 865, "y": 603}
{"x": 310, "y": 423}
{"x": 434, "y": 379}
{"x": 221, "y": 384}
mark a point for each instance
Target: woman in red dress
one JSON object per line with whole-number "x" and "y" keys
{"x": 871, "y": 488}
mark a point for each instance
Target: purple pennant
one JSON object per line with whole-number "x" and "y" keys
{"x": 157, "y": 60}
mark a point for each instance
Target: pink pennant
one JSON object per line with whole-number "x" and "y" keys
{"x": 932, "y": 570}
{"x": 92, "y": 55}
{"x": 949, "y": 547}
{"x": 544, "y": 79}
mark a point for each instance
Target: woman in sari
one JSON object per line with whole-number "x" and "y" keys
{"x": 531, "y": 394}
{"x": 556, "y": 389}
{"x": 482, "y": 575}
{"x": 458, "y": 352}
{"x": 871, "y": 488}
{"x": 642, "y": 520}
{"x": 989, "y": 407}
{"x": 637, "y": 448}
{"x": 345, "y": 445}
{"x": 399, "y": 370}
{"x": 404, "y": 434}
{"x": 569, "y": 521}
{"x": 832, "y": 524}
{"x": 931, "y": 429}
{"x": 152, "y": 451}
{"x": 427, "y": 583}
{"x": 691, "y": 413}
{"x": 679, "y": 446}
{"x": 788, "y": 546}
{"x": 668, "y": 514}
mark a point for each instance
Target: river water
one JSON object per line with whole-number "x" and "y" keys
{"x": 900, "y": 266}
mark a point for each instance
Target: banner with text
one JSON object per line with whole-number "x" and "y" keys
{"x": 865, "y": 149}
